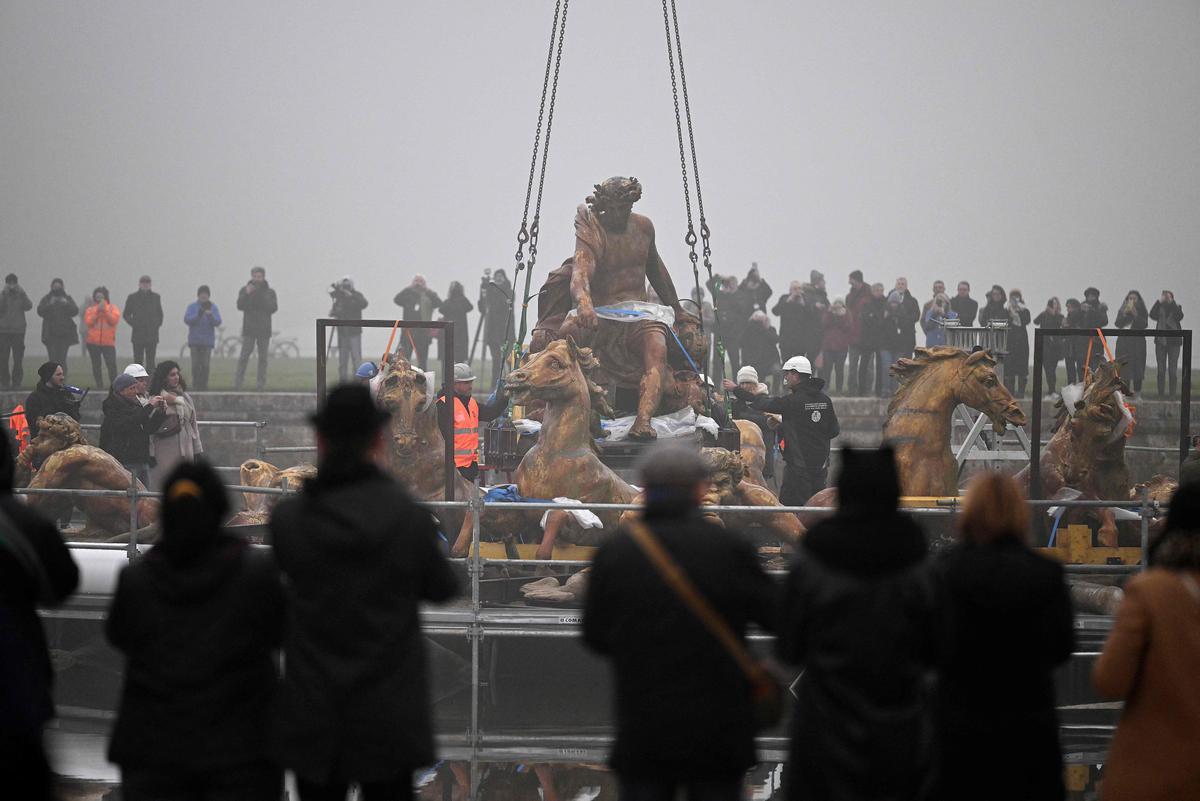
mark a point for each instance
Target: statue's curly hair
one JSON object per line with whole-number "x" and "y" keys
{"x": 720, "y": 460}
{"x": 615, "y": 191}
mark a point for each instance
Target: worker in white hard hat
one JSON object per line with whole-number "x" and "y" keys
{"x": 468, "y": 414}
{"x": 809, "y": 425}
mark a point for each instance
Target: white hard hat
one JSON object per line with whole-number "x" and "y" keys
{"x": 463, "y": 372}
{"x": 798, "y": 364}
{"x": 747, "y": 373}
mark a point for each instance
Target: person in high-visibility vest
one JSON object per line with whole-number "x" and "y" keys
{"x": 468, "y": 414}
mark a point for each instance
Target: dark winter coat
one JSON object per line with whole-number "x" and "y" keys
{"x": 126, "y": 429}
{"x": 348, "y": 304}
{"x": 682, "y": 704}
{"x": 809, "y": 421}
{"x": 1018, "y": 339}
{"x": 58, "y": 324}
{"x": 46, "y": 400}
{"x": 25, "y": 673}
{"x": 838, "y": 332}
{"x": 1133, "y": 348}
{"x": 966, "y": 308}
{"x": 1005, "y": 625}
{"x": 200, "y": 642}
{"x": 418, "y": 304}
{"x": 13, "y": 305}
{"x": 1075, "y": 346}
{"x": 256, "y": 308}
{"x": 497, "y": 321}
{"x": 758, "y": 294}
{"x": 791, "y": 314}
{"x": 144, "y": 313}
{"x": 856, "y": 301}
{"x": 760, "y": 349}
{"x": 1167, "y": 316}
{"x": 454, "y": 309}
{"x": 733, "y": 310}
{"x": 858, "y": 616}
{"x": 896, "y": 331}
{"x": 872, "y": 325}
{"x": 1048, "y": 321}
{"x": 906, "y": 323}
{"x": 1095, "y": 315}
{"x": 358, "y": 556}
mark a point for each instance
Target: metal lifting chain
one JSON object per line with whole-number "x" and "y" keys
{"x": 671, "y": 28}
{"x": 528, "y": 234}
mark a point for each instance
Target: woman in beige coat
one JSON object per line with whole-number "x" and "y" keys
{"x": 178, "y": 439}
{"x": 1152, "y": 662}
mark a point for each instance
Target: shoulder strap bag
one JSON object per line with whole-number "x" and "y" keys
{"x": 766, "y": 692}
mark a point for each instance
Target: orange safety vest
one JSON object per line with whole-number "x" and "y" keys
{"x": 466, "y": 432}
{"x": 19, "y": 427}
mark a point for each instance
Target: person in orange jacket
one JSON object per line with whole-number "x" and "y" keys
{"x": 101, "y": 318}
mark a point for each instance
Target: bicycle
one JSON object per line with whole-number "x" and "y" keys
{"x": 284, "y": 348}
{"x": 226, "y": 347}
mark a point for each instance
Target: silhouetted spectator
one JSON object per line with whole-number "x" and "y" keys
{"x": 101, "y": 318}
{"x": 937, "y": 314}
{"x": 144, "y": 313}
{"x": 1074, "y": 348}
{"x": 861, "y": 356}
{"x": 178, "y": 437}
{"x": 838, "y": 329}
{"x": 199, "y": 620}
{"x": 1134, "y": 316}
{"x": 1151, "y": 661}
{"x": 1051, "y": 319}
{"x": 790, "y": 311}
{"x": 454, "y": 310}
{"x": 1006, "y": 624}
{"x": 495, "y": 297}
{"x": 36, "y": 569}
{"x": 733, "y": 314}
{"x": 1016, "y": 363}
{"x": 50, "y": 396}
{"x": 1095, "y": 315}
{"x": 909, "y": 317}
{"x": 13, "y": 305}
{"x": 893, "y": 340}
{"x": 965, "y": 306}
{"x": 128, "y": 424}
{"x": 359, "y": 556}
{"x": 348, "y": 304}
{"x": 1167, "y": 315}
{"x": 684, "y": 715}
{"x": 418, "y": 302}
{"x": 858, "y": 616}
{"x": 257, "y": 302}
{"x": 203, "y": 318}
{"x": 760, "y": 345}
{"x": 58, "y": 310}
{"x": 756, "y": 289}
{"x": 872, "y": 335}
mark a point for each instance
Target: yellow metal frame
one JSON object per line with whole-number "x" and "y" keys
{"x": 1076, "y": 548}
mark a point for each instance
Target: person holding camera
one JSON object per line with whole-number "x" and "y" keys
{"x": 1132, "y": 350}
{"x": 13, "y": 305}
{"x": 934, "y": 320}
{"x": 101, "y": 319}
{"x": 257, "y": 302}
{"x": 202, "y": 318}
{"x": 1167, "y": 314}
{"x": 348, "y": 304}
{"x": 144, "y": 313}
{"x": 495, "y": 295}
{"x": 1051, "y": 319}
{"x": 454, "y": 310}
{"x": 1094, "y": 314}
{"x": 58, "y": 311}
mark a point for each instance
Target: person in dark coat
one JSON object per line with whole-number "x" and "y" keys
{"x": 257, "y": 302}
{"x": 760, "y": 345}
{"x": 418, "y": 302}
{"x": 128, "y": 425}
{"x": 1094, "y": 315}
{"x": 14, "y": 303}
{"x": 683, "y": 707}
{"x": 359, "y": 556}
{"x": 858, "y": 617}
{"x": 1167, "y": 316}
{"x": 36, "y": 569}
{"x": 50, "y": 396}
{"x": 909, "y": 317}
{"x": 1005, "y": 625}
{"x": 837, "y": 331}
{"x": 59, "y": 328}
{"x": 495, "y": 297}
{"x": 757, "y": 291}
{"x": 790, "y": 311}
{"x": 144, "y": 313}
{"x": 893, "y": 340}
{"x": 1016, "y": 363}
{"x": 348, "y": 304}
{"x": 199, "y": 620}
{"x": 1133, "y": 315}
{"x": 965, "y": 306}
{"x": 1051, "y": 319}
{"x": 872, "y": 335}
{"x": 1074, "y": 348}
{"x": 733, "y": 315}
{"x": 454, "y": 310}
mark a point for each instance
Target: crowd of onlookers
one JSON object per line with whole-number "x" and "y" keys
{"x": 852, "y": 339}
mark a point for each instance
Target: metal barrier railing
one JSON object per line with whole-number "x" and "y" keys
{"x": 257, "y": 425}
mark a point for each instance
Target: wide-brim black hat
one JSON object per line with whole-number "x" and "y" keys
{"x": 349, "y": 411}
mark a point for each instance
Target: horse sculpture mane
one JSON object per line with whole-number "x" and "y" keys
{"x": 926, "y": 361}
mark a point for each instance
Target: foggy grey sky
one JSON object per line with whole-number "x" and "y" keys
{"x": 1048, "y": 145}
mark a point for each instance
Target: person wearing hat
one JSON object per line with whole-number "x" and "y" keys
{"x": 199, "y": 620}
{"x": 139, "y": 373}
{"x": 809, "y": 425}
{"x": 203, "y": 318}
{"x": 50, "y": 396}
{"x": 36, "y": 570}
{"x": 128, "y": 424}
{"x": 681, "y": 721}
{"x": 358, "y": 556}
{"x": 365, "y": 372}
{"x": 144, "y": 313}
{"x": 748, "y": 381}
{"x": 59, "y": 330}
{"x": 348, "y": 304}
{"x": 468, "y": 414}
